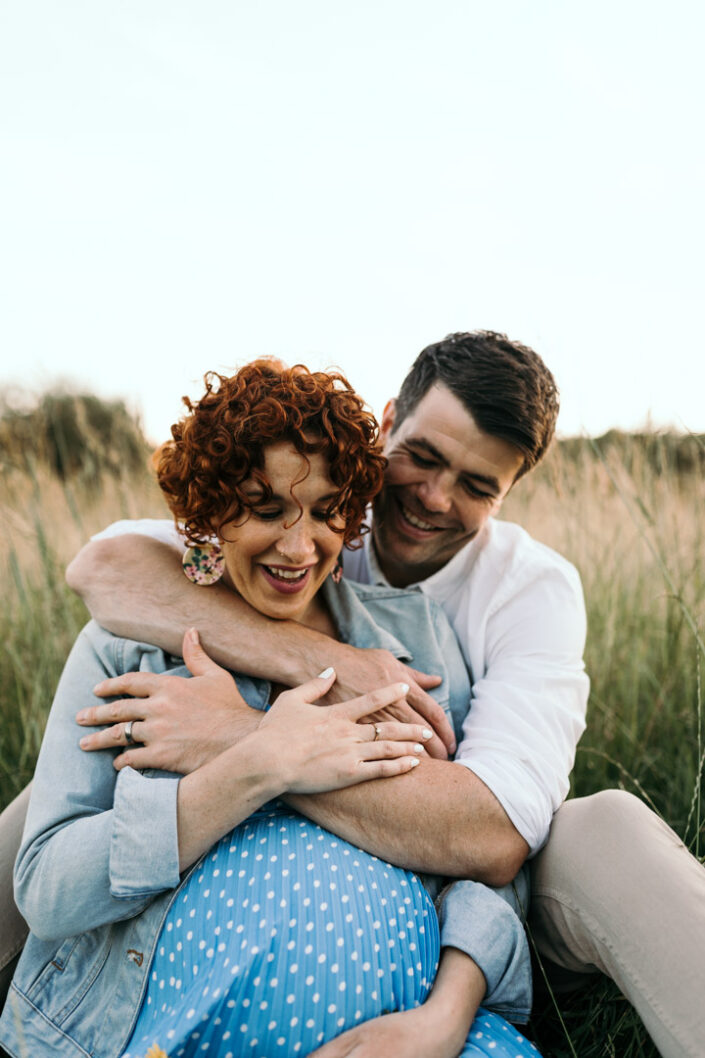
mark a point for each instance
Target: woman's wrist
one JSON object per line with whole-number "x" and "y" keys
{"x": 258, "y": 758}
{"x": 458, "y": 990}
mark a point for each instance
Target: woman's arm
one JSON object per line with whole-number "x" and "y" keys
{"x": 297, "y": 748}
{"x": 99, "y": 846}
{"x": 437, "y": 1029}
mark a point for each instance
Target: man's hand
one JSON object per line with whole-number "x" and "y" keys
{"x": 178, "y": 723}
{"x": 359, "y": 671}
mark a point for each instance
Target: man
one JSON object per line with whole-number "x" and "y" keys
{"x": 475, "y": 413}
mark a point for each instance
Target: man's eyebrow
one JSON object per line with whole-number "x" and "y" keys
{"x": 465, "y": 475}
{"x": 421, "y": 442}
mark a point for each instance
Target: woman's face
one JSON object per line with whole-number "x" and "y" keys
{"x": 279, "y": 555}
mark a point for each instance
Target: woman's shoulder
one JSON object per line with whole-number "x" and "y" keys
{"x": 407, "y": 614}
{"x": 120, "y": 655}
{"x": 402, "y": 600}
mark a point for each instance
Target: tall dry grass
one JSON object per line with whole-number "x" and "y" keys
{"x": 63, "y": 477}
{"x": 630, "y": 513}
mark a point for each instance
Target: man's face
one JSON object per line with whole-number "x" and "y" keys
{"x": 444, "y": 480}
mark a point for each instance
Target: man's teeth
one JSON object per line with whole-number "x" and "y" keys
{"x": 286, "y": 574}
{"x": 417, "y": 522}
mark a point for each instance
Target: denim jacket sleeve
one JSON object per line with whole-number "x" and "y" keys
{"x": 98, "y": 845}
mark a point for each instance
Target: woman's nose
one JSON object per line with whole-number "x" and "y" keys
{"x": 296, "y": 543}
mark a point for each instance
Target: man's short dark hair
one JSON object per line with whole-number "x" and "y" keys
{"x": 505, "y": 386}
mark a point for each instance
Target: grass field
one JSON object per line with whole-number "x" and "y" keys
{"x": 630, "y": 513}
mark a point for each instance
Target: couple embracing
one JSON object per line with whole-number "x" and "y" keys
{"x": 243, "y": 876}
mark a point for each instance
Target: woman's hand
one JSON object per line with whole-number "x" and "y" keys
{"x": 179, "y": 724}
{"x": 298, "y": 747}
{"x": 318, "y": 749}
{"x": 436, "y": 1029}
{"x": 359, "y": 669}
{"x": 405, "y": 1034}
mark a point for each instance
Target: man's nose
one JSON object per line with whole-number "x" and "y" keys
{"x": 435, "y": 492}
{"x": 296, "y": 543}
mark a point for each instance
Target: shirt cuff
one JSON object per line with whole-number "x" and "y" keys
{"x": 144, "y": 847}
{"x": 485, "y": 923}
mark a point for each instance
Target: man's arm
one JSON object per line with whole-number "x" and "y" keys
{"x": 440, "y": 819}
{"x": 134, "y": 586}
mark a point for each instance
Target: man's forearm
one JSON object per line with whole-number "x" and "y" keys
{"x": 134, "y": 586}
{"x": 440, "y": 818}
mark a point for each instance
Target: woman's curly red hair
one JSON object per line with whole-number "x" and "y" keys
{"x": 220, "y": 444}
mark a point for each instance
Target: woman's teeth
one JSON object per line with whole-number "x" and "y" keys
{"x": 417, "y": 522}
{"x": 286, "y": 574}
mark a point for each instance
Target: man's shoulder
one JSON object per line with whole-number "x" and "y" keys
{"x": 514, "y": 565}
{"x": 511, "y": 543}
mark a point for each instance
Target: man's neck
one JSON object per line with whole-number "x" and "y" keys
{"x": 394, "y": 573}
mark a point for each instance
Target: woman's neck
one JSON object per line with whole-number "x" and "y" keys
{"x": 318, "y": 618}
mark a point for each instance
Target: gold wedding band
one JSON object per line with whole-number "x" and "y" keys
{"x": 376, "y": 733}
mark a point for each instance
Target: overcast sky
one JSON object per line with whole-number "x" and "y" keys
{"x": 187, "y": 185}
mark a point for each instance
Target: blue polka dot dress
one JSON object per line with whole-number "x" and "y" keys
{"x": 283, "y": 938}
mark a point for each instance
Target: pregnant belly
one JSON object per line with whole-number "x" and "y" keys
{"x": 284, "y": 937}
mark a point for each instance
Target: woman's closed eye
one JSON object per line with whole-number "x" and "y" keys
{"x": 267, "y": 514}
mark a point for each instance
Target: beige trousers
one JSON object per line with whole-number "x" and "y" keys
{"x": 13, "y": 928}
{"x": 616, "y": 890}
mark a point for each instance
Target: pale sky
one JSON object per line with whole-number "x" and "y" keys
{"x": 187, "y": 185}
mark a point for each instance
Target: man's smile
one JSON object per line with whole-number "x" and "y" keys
{"x": 415, "y": 520}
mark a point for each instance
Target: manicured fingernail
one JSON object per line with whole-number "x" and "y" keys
{"x": 414, "y": 762}
{"x": 426, "y": 733}
{"x": 405, "y": 688}
{"x": 418, "y": 748}
{"x": 83, "y": 715}
{"x": 325, "y": 674}
{"x": 193, "y": 635}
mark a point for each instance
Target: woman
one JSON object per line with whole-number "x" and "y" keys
{"x": 199, "y": 912}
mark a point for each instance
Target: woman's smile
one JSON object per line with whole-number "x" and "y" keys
{"x": 285, "y": 579}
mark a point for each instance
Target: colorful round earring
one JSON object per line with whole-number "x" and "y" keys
{"x": 204, "y": 563}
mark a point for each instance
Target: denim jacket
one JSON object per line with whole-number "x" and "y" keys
{"x": 98, "y": 866}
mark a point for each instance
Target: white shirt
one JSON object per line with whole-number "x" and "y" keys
{"x": 517, "y": 608}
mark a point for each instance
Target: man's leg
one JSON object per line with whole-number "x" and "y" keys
{"x": 13, "y": 928}
{"x": 616, "y": 890}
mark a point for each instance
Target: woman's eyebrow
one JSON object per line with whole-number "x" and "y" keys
{"x": 258, "y": 494}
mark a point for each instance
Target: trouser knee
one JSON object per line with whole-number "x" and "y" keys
{"x": 590, "y": 835}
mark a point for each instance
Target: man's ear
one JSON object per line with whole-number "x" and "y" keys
{"x": 388, "y": 416}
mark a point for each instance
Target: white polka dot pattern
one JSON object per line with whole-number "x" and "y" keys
{"x": 285, "y": 936}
